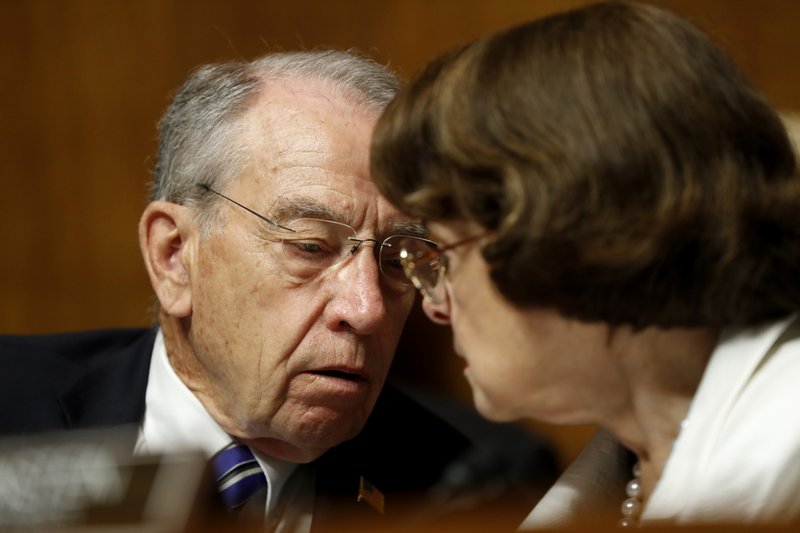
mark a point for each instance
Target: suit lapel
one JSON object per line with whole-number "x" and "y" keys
{"x": 402, "y": 460}
{"x": 112, "y": 389}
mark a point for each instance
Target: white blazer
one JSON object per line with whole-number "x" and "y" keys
{"x": 737, "y": 458}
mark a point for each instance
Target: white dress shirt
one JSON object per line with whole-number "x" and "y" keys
{"x": 176, "y": 422}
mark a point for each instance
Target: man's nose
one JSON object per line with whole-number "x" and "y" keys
{"x": 358, "y": 304}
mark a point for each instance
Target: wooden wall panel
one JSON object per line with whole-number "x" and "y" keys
{"x": 83, "y": 83}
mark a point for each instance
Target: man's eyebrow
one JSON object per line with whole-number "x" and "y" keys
{"x": 413, "y": 229}
{"x": 287, "y": 209}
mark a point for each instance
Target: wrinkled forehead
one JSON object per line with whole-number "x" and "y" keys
{"x": 308, "y": 151}
{"x": 305, "y": 103}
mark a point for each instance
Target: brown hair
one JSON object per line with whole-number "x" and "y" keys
{"x": 629, "y": 173}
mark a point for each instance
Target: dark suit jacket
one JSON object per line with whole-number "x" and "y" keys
{"x": 99, "y": 378}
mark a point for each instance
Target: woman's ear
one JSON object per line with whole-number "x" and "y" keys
{"x": 164, "y": 232}
{"x": 438, "y": 313}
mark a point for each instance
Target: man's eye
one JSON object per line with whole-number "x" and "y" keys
{"x": 390, "y": 260}
{"x": 393, "y": 262}
{"x": 315, "y": 250}
{"x": 308, "y": 247}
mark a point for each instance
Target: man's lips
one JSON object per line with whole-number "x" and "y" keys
{"x": 345, "y": 373}
{"x": 338, "y": 387}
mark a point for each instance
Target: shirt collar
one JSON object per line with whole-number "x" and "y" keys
{"x": 175, "y": 421}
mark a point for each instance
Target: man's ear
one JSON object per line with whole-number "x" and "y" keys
{"x": 163, "y": 238}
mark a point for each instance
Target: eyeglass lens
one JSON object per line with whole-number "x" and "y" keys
{"x": 425, "y": 267}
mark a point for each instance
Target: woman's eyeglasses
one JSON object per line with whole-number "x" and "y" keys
{"x": 427, "y": 266}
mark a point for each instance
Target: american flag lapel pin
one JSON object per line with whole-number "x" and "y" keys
{"x": 368, "y": 493}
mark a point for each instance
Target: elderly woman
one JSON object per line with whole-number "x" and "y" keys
{"x": 616, "y": 214}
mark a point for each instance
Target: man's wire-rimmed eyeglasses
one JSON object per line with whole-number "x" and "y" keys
{"x": 315, "y": 244}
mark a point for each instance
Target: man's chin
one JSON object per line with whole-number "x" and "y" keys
{"x": 305, "y": 444}
{"x": 285, "y": 451}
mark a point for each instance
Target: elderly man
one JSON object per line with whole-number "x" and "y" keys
{"x": 281, "y": 301}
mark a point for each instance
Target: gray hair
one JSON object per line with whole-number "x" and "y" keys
{"x": 198, "y": 130}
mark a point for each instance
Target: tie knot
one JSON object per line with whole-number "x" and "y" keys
{"x": 237, "y": 474}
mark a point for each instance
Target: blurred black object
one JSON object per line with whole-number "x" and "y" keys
{"x": 84, "y": 480}
{"x": 88, "y": 480}
{"x": 508, "y": 467}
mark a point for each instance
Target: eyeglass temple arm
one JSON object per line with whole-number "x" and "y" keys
{"x": 259, "y": 215}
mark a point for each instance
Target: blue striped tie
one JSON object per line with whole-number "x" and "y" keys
{"x": 238, "y": 475}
